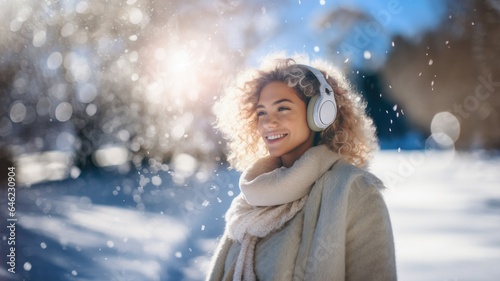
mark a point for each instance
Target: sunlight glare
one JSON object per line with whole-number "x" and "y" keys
{"x": 179, "y": 74}
{"x": 180, "y": 62}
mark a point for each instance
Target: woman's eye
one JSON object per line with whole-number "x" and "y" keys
{"x": 260, "y": 113}
{"x": 283, "y": 108}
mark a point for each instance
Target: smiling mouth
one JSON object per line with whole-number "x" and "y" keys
{"x": 276, "y": 137}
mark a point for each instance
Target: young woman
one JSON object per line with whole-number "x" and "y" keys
{"x": 307, "y": 210}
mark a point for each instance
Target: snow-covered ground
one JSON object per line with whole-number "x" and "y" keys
{"x": 445, "y": 209}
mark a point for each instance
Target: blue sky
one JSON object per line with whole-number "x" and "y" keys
{"x": 294, "y": 24}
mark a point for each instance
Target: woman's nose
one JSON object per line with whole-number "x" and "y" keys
{"x": 270, "y": 121}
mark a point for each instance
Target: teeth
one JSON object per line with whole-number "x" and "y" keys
{"x": 273, "y": 137}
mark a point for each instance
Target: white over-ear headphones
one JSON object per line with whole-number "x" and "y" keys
{"x": 322, "y": 108}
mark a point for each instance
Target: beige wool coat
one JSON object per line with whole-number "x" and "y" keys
{"x": 343, "y": 232}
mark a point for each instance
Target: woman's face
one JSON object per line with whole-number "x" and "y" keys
{"x": 282, "y": 122}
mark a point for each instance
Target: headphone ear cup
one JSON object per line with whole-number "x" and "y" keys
{"x": 310, "y": 114}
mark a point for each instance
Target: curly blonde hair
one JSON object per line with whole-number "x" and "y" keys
{"x": 352, "y": 134}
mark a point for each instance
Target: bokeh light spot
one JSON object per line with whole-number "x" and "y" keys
{"x": 135, "y": 15}
{"x": 64, "y": 111}
{"x": 91, "y": 109}
{"x": 87, "y": 93}
{"x": 17, "y": 112}
{"x": 445, "y": 123}
{"x": 54, "y": 60}
{"x": 39, "y": 38}
{"x": 68, "y": 29}
{"x": 367, "y": 55}
{"x": 65, "y": 141}
{"x": 82, "y": 7}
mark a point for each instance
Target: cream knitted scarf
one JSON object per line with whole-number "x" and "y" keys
{"x": 271, "y": 196}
